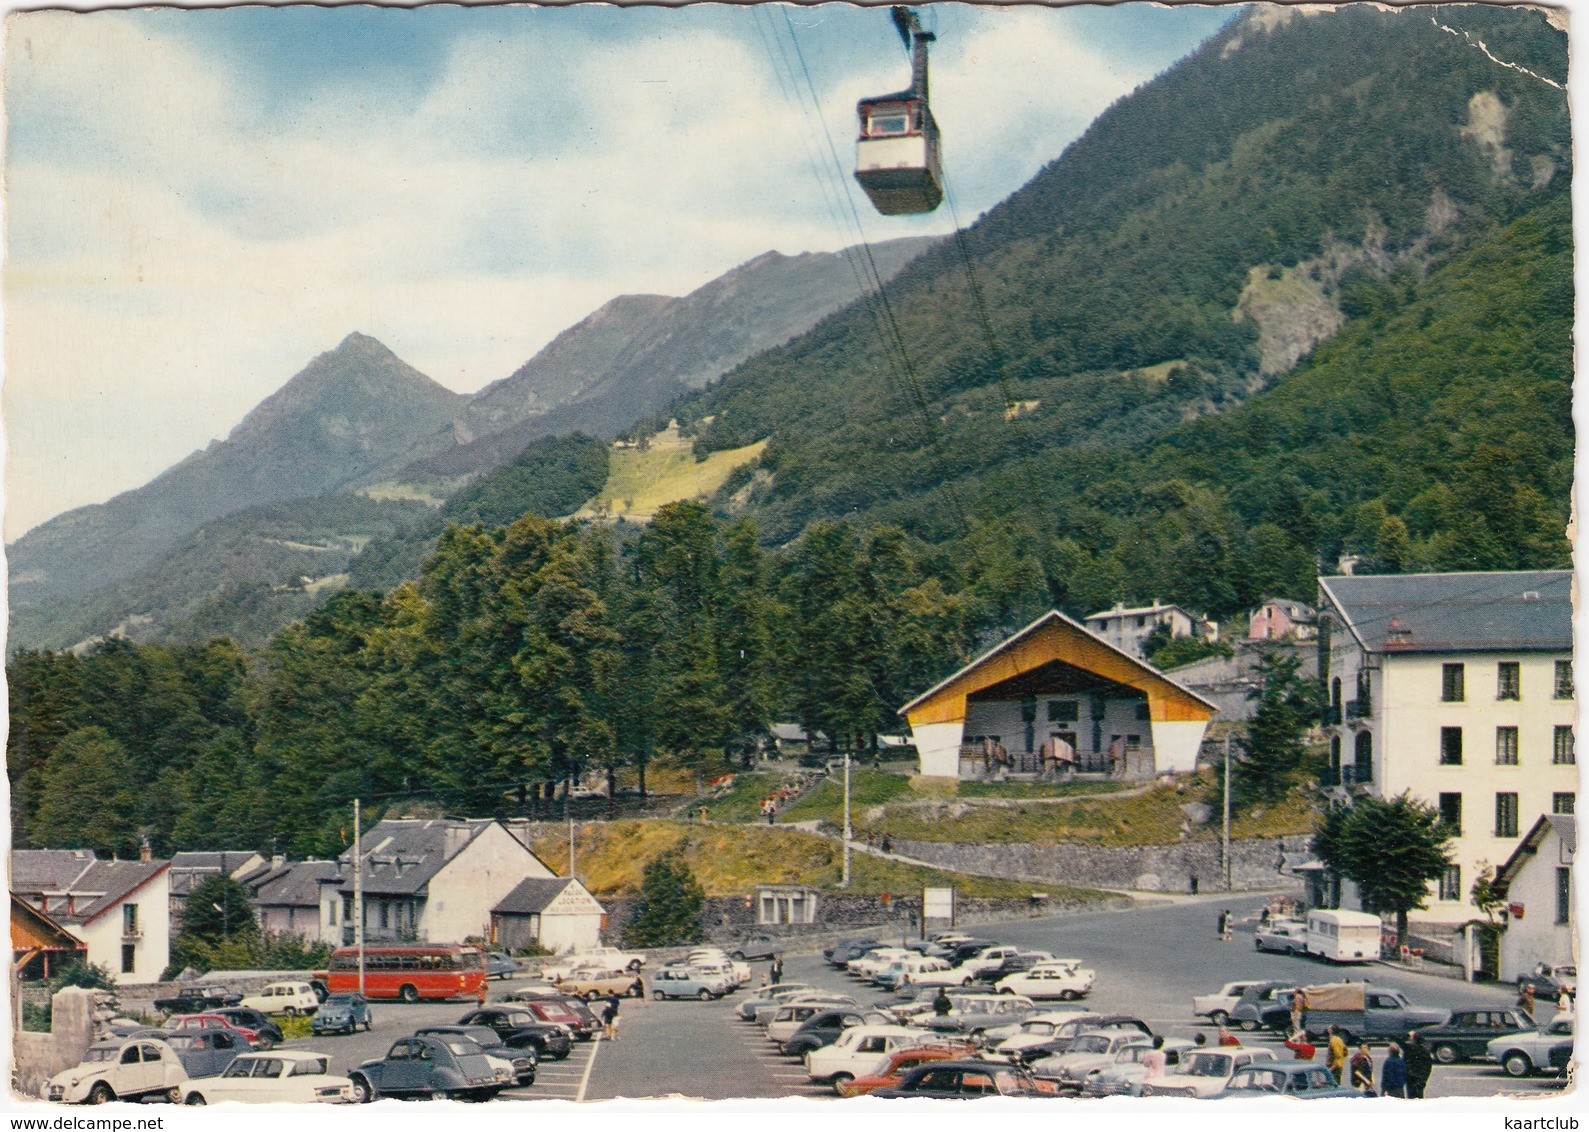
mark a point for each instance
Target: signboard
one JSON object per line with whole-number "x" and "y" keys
{"x": 938, "y": 904}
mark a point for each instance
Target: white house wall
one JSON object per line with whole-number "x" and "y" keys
{"x": 938, "y": 748}
{"x": 1406, "y": 720}
{"x": 152, "y": 948}
{"x": 462, "y": 894}
{"x": 571, "y": 922}
{"x": 1176, "y": 744}
{"x": 1536, "y": 937}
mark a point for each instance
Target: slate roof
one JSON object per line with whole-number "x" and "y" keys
{"x": 296, "y": 885}
{"x": 401, "y": 856}
{"x": 96, "y": 888}
{"x": 188, "y": 870}
{"x": 532, "y": 895}
{"x": 1520, "y": 611}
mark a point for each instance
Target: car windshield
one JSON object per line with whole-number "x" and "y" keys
{"x": 1206, "y": 1065}
{"x": 1264, "y": 1080}
{"x": 1090, "y": 1043}
{"x": 338, "y": 1000}
{"x": 1044, "y": 1028}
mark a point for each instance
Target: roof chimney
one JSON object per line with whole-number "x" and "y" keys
{"x": 145, "y": 853}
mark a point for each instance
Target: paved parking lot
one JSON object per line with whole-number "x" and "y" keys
{"x": 1150, "y": 962}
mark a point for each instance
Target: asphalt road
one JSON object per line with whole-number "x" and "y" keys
{"x": 1150, "y": 962}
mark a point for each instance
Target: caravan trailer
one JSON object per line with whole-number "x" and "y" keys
{"x": 1343, "y": 937}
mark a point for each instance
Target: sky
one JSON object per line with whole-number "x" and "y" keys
{"x": 200, "y": 201}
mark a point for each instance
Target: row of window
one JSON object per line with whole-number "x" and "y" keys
{"x": 1563, "y": 750}
{"x": 1508, "y": 681}
{"x": 1506, "y": 811}
{"x": 1451, "y": 889}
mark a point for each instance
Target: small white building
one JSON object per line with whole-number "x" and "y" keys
{"x": 1128, "y": 629}
{"x": 287, "y": 895}
{"x": 120, "y": 909}
{"x": 1458, "y": 689}
{"x": 427, "y": 880}
{"x": 1537, "y": 881}
{"x": 558, "y": 913}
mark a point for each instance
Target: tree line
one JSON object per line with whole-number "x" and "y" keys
{"x": 524, "y": 656}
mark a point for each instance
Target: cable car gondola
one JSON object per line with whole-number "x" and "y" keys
{"x": 897, "y": 158}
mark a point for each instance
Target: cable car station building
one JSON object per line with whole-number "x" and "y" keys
{"x": 1056, "y": 699}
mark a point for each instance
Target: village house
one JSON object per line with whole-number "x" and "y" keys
{"x": 1278, "y": 619}
{"x": 1458, "y": 689}
{"x": 556, "y": 913}
{"x": 121, "y": 910}
{"x": 189, "y": 870}
{"x": 1129, "y": 629}
{"x": 1536, "y": 882}
{"x": 286, "y": 896}
{"x": 427, "y": 880}
{"x": 1057, "y": 699}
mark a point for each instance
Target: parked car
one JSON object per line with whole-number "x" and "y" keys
{"x": 189, "y": 1023}
{"x": 1468, "y": 1033}
{"x": 855, "y": 1052}
{"x": 769, "y": 996}
{"x": 790, "y": 1018}
{"x": 1530, "y": 1052}
{"x": 1091, "y": 1050}
{"x": 521, "y": 1063}
{"x": 196, "y": 1000}
{"x": 288, "y": 998}
{"x": 571, "y": 1013}
{"x": 204, "y": 1053}
{"x": 120, "y": 1071}
{"x": 602, "y": 957}
{"x": 1549, "y": 981}
{"x": 755, "y": 947}
{"x": 501, "y": 965}
{"x": 1018, "y": 963}
{"x": 602, "y": 984}
{"x": 842, "y": 952}
{"x": 1217, "y": 1007}
{"x": 1030, "y": 1046}
{"x": 989, "y": 958}
{"x": 444, "y": 1068}
{"x": 1204, "y": 1072}
{"x": 1125, "y": 1075}
{"x": 1057, "y": 978}
{"x": 823, "y": 1029}
{"x": 688, "y": 982}
{"x": 1263, "y": 1005}
{"x": 889, "y": 1072}
{"x": 903, "y": 972}
{"x": 867, "y": 964}
{"x": 283, "y": 1077}
{"x": 964, "y": 1080}
{"x": 342, "y": 1013}
{"x": 522, "y": 1028}
{"x": 267, "y": 1035}
{"x": 976, "y": 1013}
{"x": 1304, "y": 1080}
{"x": 1287, "y": 937}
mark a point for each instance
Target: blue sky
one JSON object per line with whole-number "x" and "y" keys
{"x": 199, "y": 201}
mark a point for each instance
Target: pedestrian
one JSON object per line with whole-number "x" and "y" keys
{"x": 941, "y": 1005}
{"x": 772, "y": 814}
{"x": 1299, "y": 1008}
{"x": 1301, "y": 1049}
{"x": 1393, "y": 1074}
{"x": 1226, "y": 1038}
{"x": 1362, "y": 1065}
{"x": 480, "y": 993}
{"x": 609, "y": 1019}
{"x": 1154, "y": 1061}
{"x": 1223, "y": 923}
{"x": 888, "y": 843}
{"x": 775, "y": 972}
{"x": 1336, "y": 1061}
{"x": 1525, "y": 1000}
{"x": 1420, "y": 1063}
{"x": 1192, "y": 884}
{"x": 1564, "y": 1002}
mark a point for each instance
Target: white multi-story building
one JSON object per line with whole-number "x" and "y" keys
{"x": 1458, "y": 689}
{"x": 120, "y": 909}
{"x": 1129, "y": 629}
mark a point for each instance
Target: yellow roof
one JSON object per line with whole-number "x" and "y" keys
{"x": 1055, "y": 637}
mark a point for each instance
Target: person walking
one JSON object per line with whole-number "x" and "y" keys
{"x": 609, "y": 1019}
{"x": 941, "y": 1004}
{"x": 1224, "y": 922}
{"x": 1362, "y": 1066}
{"x": 1393, "y": 1074}
{"x": 1564, "y": 1002}
{"x": 1335, "y": 1061}
{"x": 1420, "y": 1064}
{"x": 1299, "y": 1008}
{"x": 775, "y": 972}
{"x": 1525, "y": 1000}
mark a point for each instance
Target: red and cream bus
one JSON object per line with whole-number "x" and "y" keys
{"x": 409, "y": 971}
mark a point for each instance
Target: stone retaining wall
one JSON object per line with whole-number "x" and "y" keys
{"x": 1144, "y": 868}
{"x": 36, "y": 1057}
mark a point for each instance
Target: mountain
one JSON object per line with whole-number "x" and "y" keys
{"x": 638, "y": 353}
{"x": 1294, "y": 178}
{"x": 350, "y": 410}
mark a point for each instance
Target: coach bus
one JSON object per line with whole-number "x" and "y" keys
{"x": 408, "y": 972}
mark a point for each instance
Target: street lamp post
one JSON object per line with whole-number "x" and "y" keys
{"x": 848, "y": 832}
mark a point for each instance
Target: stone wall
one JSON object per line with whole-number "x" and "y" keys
{"x": 1145, "y": 868}
{"x": 36, "y": 1057}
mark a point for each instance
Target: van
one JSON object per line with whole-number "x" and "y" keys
{"x": 1343, "y": 937}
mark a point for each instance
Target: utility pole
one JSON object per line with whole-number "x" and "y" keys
{"x": 358, "y": 894}
{"x": 848, "y": 832}
{"x": 1224, "y": 844}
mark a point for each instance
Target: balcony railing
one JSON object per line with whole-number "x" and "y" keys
{"x": 1352, "y": 774}
{"x": 1359, "y": 709}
